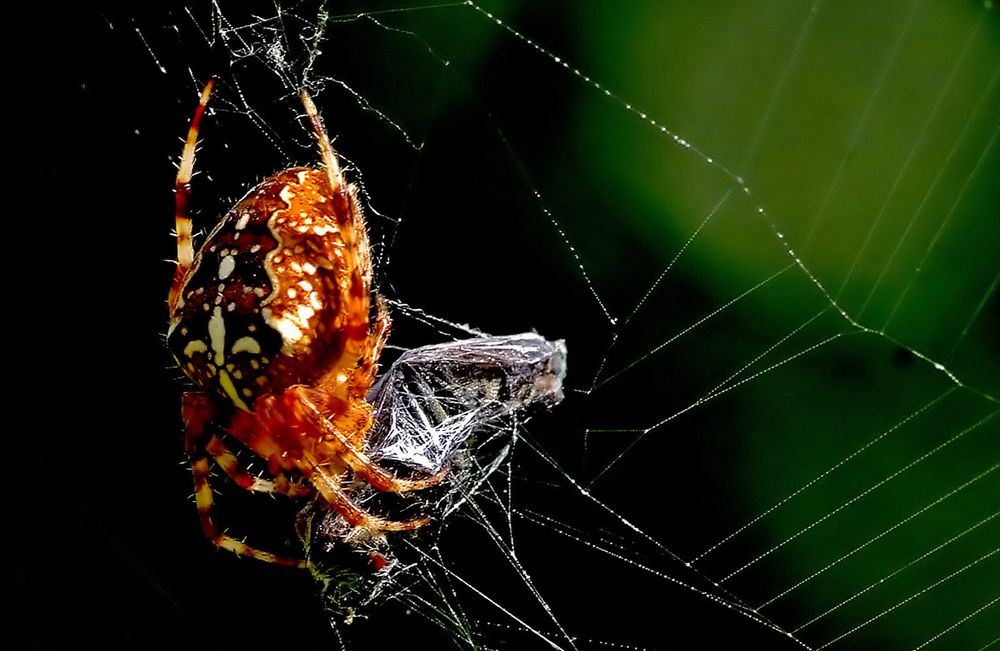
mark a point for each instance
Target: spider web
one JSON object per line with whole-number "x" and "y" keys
{"x": 767, "y": 235}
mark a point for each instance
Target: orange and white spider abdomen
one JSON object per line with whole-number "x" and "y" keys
{"x": 278, "y": 294}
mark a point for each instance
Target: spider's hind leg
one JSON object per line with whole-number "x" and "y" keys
{"x": 281, "y": 484}
{"x": 198, "y": 412}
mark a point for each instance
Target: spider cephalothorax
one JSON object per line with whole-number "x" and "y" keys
{"x": 271, "y": 321}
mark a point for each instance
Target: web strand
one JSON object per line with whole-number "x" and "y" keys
{"x": 873, "y": 488}
{"x": 433, "y": 586}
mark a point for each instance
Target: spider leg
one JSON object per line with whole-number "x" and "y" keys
{"x": 182, "y": 192}
{"x": 329, "y": 487}
{"x": 364, "y": 376}
{"x": 198, "y": 411}
{"x": 363, "y": 467}
{"x": 351, "y": 374}
{"x": 226, "y": 460}
{"x": 325, "y": 147}
{"x": 356, "y": 260}
{"x": 324, "y": 459}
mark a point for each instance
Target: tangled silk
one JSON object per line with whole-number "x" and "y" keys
{"x": 452, "y": 405}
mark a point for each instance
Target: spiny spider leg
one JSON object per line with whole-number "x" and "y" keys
{"x": 363, "y": 467}
{"x": 364, "y": 376}
{"x": 182, "y": 192}
{"x": 244, "y": 479}
{"x": 198, "y": 411}
{"x": 356, "y": 253}
{"x": 325, "y": 147}
{"x": 329, "y": 487}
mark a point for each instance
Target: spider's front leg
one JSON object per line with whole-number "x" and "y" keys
{"x": 329, "y": 429}
{"x": 182, "y": 192}
{"x": 199, "y": 411}
{"x": 329, "y": 452}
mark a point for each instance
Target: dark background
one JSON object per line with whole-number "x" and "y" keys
{"x": 106, "y": 546}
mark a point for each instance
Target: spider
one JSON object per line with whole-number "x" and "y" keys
{"x": 271, "y": 321}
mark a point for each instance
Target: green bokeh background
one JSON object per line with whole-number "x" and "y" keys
{"x": 867, "y": 132}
